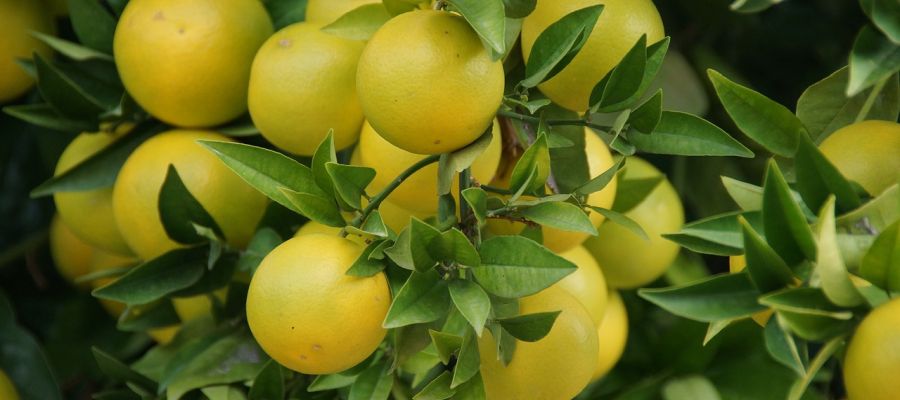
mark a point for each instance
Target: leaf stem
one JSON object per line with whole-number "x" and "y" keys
{"x": 379, "y": 198}
{"x": 870, "y": 100}
{"x": 552, "y": 122}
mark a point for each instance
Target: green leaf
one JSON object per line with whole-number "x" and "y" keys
{"x": 397, "y": 7}
{"x": 600, "y": 182}
{"x": 766, "y": 269}
{"x": 473, "y": 389}
{"x": 873, "y": 58}
{"x": 646, "y": 118}
{"x": 267, "y": 171}
{"x": 753, "y": 6}
{"x": 269, "y": 383}
{"x": 437, "y": 389}
{"x": 23, "y": 359}
{"x": 421, "y": 235}
{"x": 694, "y": 387}
{"x": 118, "y": 371}
{"x": 93, "y": 24}
{"x": 817, "y": 178}
{"x": 881, "y": 264}
{"x": 360, "y": 23}
{"x": 830, "y": 266}
{"x": 45, "y": 116}
{"x": 454, "y": 246}
{"x": 365, "y": 265}
{"x": 286, "y": 12}
{"x": 612, "y": 94}
{"x": 687, "y": 135}
{"x": 64, "y": 94}
{"x": 557, "y": 45}
{"x": 513, "y": 266}
{"x": 330, "y": 382}
{"x": 472, "y": 302}
{"x": 564, "y": 216}
{"x": 785, "y": 225}
{"x": 631, "y": 192}
{"x": 883, "y": 14}
{"x": 72, "y": 50}
{"x": 350, "y": 182}
{"x": 423, "y": 298}
{"x": 877, "y": 214}
{"x": 264, "y": 241}
{"x": 324, "y": 154}
{"x": 824, "y": 107}
{"x": 718, "y": 235}
{"x": 143, "y": 318}
{"x": 463, "y": 158}
{"x": 446, "y": 344}
{"x": 519, "y": 8}
{"x": 234, "y": 358}
{"x": 768, "y": 123}
{"x": 536, "y": 158}
{"x": 374, "y": 383}
{"x": 488, "y": 19}
{"x": 747, "y": 196}
{"x": 476, "y": 198}
{"x": 782, "y": 346}
{"x": 223, "y": 392}
{"x": 809, "y": 314}
{"x": 468, "y": 362}
{"x": 179, "y": 211}
{"x": 316, "y": 207}
{"x": 569, "y": 164}
{"x": 154, "y": 279}
{"x": 720, "y": 297}
{"x": 530, "y": 327}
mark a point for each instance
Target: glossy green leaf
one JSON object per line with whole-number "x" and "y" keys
{"x": 881, "y": 264}
{"x": 766, "y": 269}
{"x": 782, "y": 346}
{"x": 877, "y": 214}
{"x": 454, "y": 246}
{"x": 720, "y": 297}
{"x": 316, "y": 207}
{"x": 600, "y": 182}
{"x": 365, "y": 265}
{"x": 264, "y": 241}
{"x": 513, "y": 266}
{"x": 234, "y": 358}
{"x": 473, "y": 389}
{"x": 179, "y": 211}
{"x": 753, "y": 6}
{"x": 324, "y": 154}
{"x": 809, "y": 314}
{"x": 559, "y": 215}
{"x": 285, "y": 12}
{"x": 530, "y": 327}
{"x": 488, "y": 18}
{"x": 118, "y": 371}
{"x": 631, "y": 192}
{"x": 874, "y": 57}
{"x": 687, "y": 135}
{"x": 64, "y": 94}
{"x": 397, "y": 7}
{"x": 832, "y": 272}
{"x": 154, "y": 279}
{"x": 472, "y": 302}
{"x": 747, "y": 196}
{"x": 93, "y": 24}
{"x": 71, "y": 50}
{"x": 437, "y": 389}
{"x": 476, "y": 198}
{"x": 536, "y": 158}
{"x": 421, "y": 236}
{"x": 423, "y": 298}
{"x": 646, "y": 118}
{"x": 718, "y": 235}
{"x": 46, "y": 116}
{"x": 519, "y": 8}
{"x": 695, "y": 387}
{"x": 374, "y": 383}
{"x": 784, "y": 223}
{"x": 468, "y": 362}
{"x": 612, "y": 93}
{"x": 330, "y": 382}
{"x": 223, "y": 392}
{"x": 817, "y": 178}
{"x": 622, "y": 220}
{"x": 360, "y": 23}
{"x": 269, "y": 383}
{"x": 142, "y": 318}
{"x": 446, "y": 344}
{"x": 557, "y": 45}
{"x": 768, "y": 123}
{"x": 350, "y": 182}
{"x": 883, "y": 14}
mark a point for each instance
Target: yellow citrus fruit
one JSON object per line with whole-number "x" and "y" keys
{"x": 427, "y": 84}
{"x": 90, "y": 213}
{"x": 17, "y": 19}
{"x": 558, "y": 366}
{"x": 165, "y": 335}
{"x": 867, "y": 152}
{"x": 628, "y": 261}
{"x": 419, "y": 191}
{"x": 327, "y": 11}
{"x": 872, "y": 362}
{"x": 302, "y": 84}
{"x": 586, "y": 284}
{"x": 394, "y": 216}
{"x": 613, "y": 335}
{"x": 737, "y": 264}
{"x": 188, "y": 62}
{"x": 234, "y": 205}
{"x": 599, "y": 160}
{"x": 308, "y": 314}
{"x": 71, "y": 255}
{"x": 190, "y": 308}
{"x": 103, "y": 261}
{"x": 617, "y": 30}
{"x": 7, "y": 388}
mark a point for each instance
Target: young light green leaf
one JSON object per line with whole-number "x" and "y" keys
{"x": 468, "y": 362}
{"x": 269, "y": 383}
{"x": 766, "y": 269}
{"x": 72, "y": 50}
{"x": 454, "y": 246}
{"x": 718, "y": 235}
{"x": 437, "y": 389}
{"x": 179, "y": 211}
{"x": 881, "y": 264}
{"x": 830, "y": 266}
{"x": 768, "y": 123}
{"x": 874, "y": 57}
{"x": 513, "y": 266}
{"x": 720, "y": 297}
{"x": 365, "y": 265}
{"x": 817, "y": 178}
{"x": 784, "y": 223}
{"x": 360, "y": 23}
{"x": 350, "y": 182}
{"x": 318, "y": 208}
{"x": 153, "y": 280}
{"x": 488, "y": 19}
{"x": 646, "y": 118}
{"x": 537, "y": 159}
{"x": 560, "y": 215}
{"x": 877, "y": 214}
{"x": 783, "y": 348}
{"x": 747, "y": 196}
{"x": 423, "y": 298}
{"x": 472, "y": 302}
{"x": 557, "y": 45}
{"x": 530, "y": 327}
{"x": 687, "y": 135}
{"x": 809, "y": 313}
{"x": 623, "y": 220}
{"x": 624, "y": 80}
{"x": 600, "y": 182}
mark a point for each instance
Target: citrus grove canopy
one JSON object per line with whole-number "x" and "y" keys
{"x": 452, "y": 199}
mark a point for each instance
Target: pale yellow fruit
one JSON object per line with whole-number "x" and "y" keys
{"x": 303, "y": 83}
{"x": 613, "y": 335}
{"x": 90, "y": 213}
{"x": 738, "y": 264}
{"x": 599, "y": 160}
{"x": 165, "y": 335}
{"x": 586, "y": 284}
{"x": 867, "y": 152}
{"x": 234, "y": 205}
{"x": 18, "y": 18}
{"x": 308, "y": 314}
{"x": 394, "y": 216}
{"x": 7, "y": 388}
{"x": 190, "y": 308}
{"x": 872, "y": 362}
{"x": 188, "y": 62}
{"x": 617, "y": 30}
{"x": 628, "y": 261}
{"x": 71, "y": 255}
{"x": 557, "y": 367}
{"x": 327, "y": 11}
{"x": 419, "y": 192}
{"x": 427, "y": 84}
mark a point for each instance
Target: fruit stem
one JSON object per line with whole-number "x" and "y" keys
{"x": 552, "y": 122}
{"x": 379, "y": 198}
